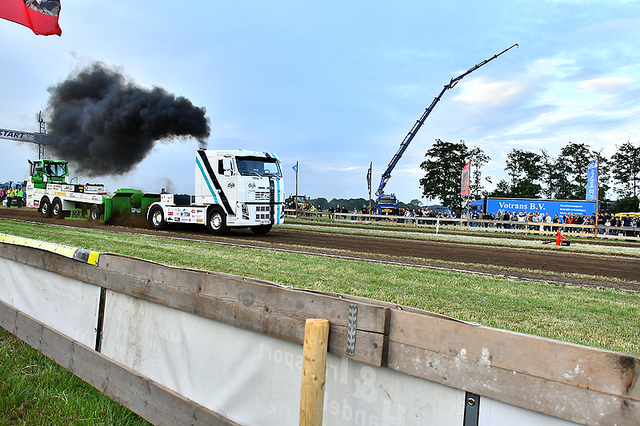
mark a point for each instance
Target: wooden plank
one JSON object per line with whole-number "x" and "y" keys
{"x": 245, "y": 290}
{"x": 565, "y": 401}
{"x": 150, "y": 400}
{"x": 28, "y": 331}
{"x": 251, "y": 304}
{"x": 8, "y": 317}
{"x": 580, "y": 366}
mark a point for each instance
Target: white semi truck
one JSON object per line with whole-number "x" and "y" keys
{"x": 233, "y": 188}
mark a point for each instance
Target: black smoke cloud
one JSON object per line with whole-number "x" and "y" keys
{"x": 105, "y": 125}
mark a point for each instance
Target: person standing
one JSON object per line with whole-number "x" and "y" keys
{"x": 19, "y": 196}
{"x": 11, "y": 193}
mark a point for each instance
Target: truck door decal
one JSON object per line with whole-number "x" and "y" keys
{"x": 214, "y": 180}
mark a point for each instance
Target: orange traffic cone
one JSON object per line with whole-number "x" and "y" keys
{"x": 561, "y": 241}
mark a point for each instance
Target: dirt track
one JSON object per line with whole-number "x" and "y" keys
{"x": 602, "y": 271}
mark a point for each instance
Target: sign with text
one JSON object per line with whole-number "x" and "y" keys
{"x": 592, "y": 181}
{"x": 553, "y": 207}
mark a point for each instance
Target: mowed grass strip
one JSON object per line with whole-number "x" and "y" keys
{"x": 600, "y": 318}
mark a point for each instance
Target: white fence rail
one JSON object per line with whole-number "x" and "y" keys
{"x": 187, "y": 347}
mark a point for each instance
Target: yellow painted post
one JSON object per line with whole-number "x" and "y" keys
{"x": 314, "y": 368}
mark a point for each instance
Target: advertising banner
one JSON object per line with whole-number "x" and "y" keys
{"x": 592, "y": 181}
{"x": 553, "y": 207}
{"x": 464, "y": 180}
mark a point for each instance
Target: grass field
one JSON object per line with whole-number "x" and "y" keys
{"x": 600, "y": 318}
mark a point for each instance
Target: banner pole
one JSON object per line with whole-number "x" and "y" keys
{"x": 296, "y": 200}
{"x": 595, "y": 225}
{"x": 314, "y": 369}
{"x": 370, "y": 172}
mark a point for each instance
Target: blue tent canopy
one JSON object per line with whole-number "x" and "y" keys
{"x": 476, "y": 205}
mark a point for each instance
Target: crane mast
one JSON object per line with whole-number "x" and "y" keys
{"x": 407, "y": 139}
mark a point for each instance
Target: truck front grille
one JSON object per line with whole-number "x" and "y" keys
{"x": 263, "y": 212}
{"x": 262, "y": 196}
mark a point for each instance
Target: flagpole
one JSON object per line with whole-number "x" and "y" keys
{"x": 369, "y": 182}
{"x": 468, "y": 192}
{"x": 595, "y": 226}
{"x": 296, "y": 199}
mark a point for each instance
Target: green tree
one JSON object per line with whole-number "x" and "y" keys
{"x": 625, "y": 167}
{"x": 414, "y": 204}
{"x": 604, "y": 175}
{"x": 478, "y": 160}
{"x": 569, "y": 177}
{"x": 548, "y": 174}
{"x": 503, "y": 189}
{"x": 443, "y": 167}
{"x": 526, "y": 171}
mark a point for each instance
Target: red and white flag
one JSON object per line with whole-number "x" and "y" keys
{"x": 464, "y": 181}
{"x": 39, "y": 15}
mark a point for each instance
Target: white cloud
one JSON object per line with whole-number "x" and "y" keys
{"x": 489, "y": 93}
{"x": 606, "y": 85}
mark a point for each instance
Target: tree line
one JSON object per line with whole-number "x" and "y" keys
{"x": 532, "y": 174}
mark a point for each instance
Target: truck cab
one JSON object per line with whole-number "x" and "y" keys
{"x": 233, "y": 188}
{"x": 48, "y": 171}
{"x": 388, "y": 205}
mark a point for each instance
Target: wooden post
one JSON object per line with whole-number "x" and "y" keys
{"x": 314, "y": 368}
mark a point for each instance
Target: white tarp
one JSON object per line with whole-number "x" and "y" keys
{"x": 66, "y": 305}
{"x": 495, "y": 413}
{"x": 255, "y": 379}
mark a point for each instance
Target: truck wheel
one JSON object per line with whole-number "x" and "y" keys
{"x": 156, "y": 218}
{"x": 261, "y": 229}
{"x": 217, "y": 223}
{"x": 45, "y": 207}
{"x": 94, "y": 213}
{"x": 56, "y": 209}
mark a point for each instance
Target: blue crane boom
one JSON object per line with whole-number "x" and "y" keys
{"x": 407, "y": 139}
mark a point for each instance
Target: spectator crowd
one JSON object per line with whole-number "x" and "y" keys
{"x": 608, "y": 223}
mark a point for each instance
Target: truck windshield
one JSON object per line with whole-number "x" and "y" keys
{"x": 55, "y": 169}
{"x": 258, "y": 166}
{"x": 387, "y": 200}
{"x": 50, "y": 168}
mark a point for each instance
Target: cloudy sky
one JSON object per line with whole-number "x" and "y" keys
{"x": 336, "y": 85}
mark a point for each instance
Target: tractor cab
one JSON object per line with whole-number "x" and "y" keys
{"x": 48, "y": 171}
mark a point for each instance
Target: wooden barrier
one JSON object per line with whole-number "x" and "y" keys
{"x": 576, "y": 383}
